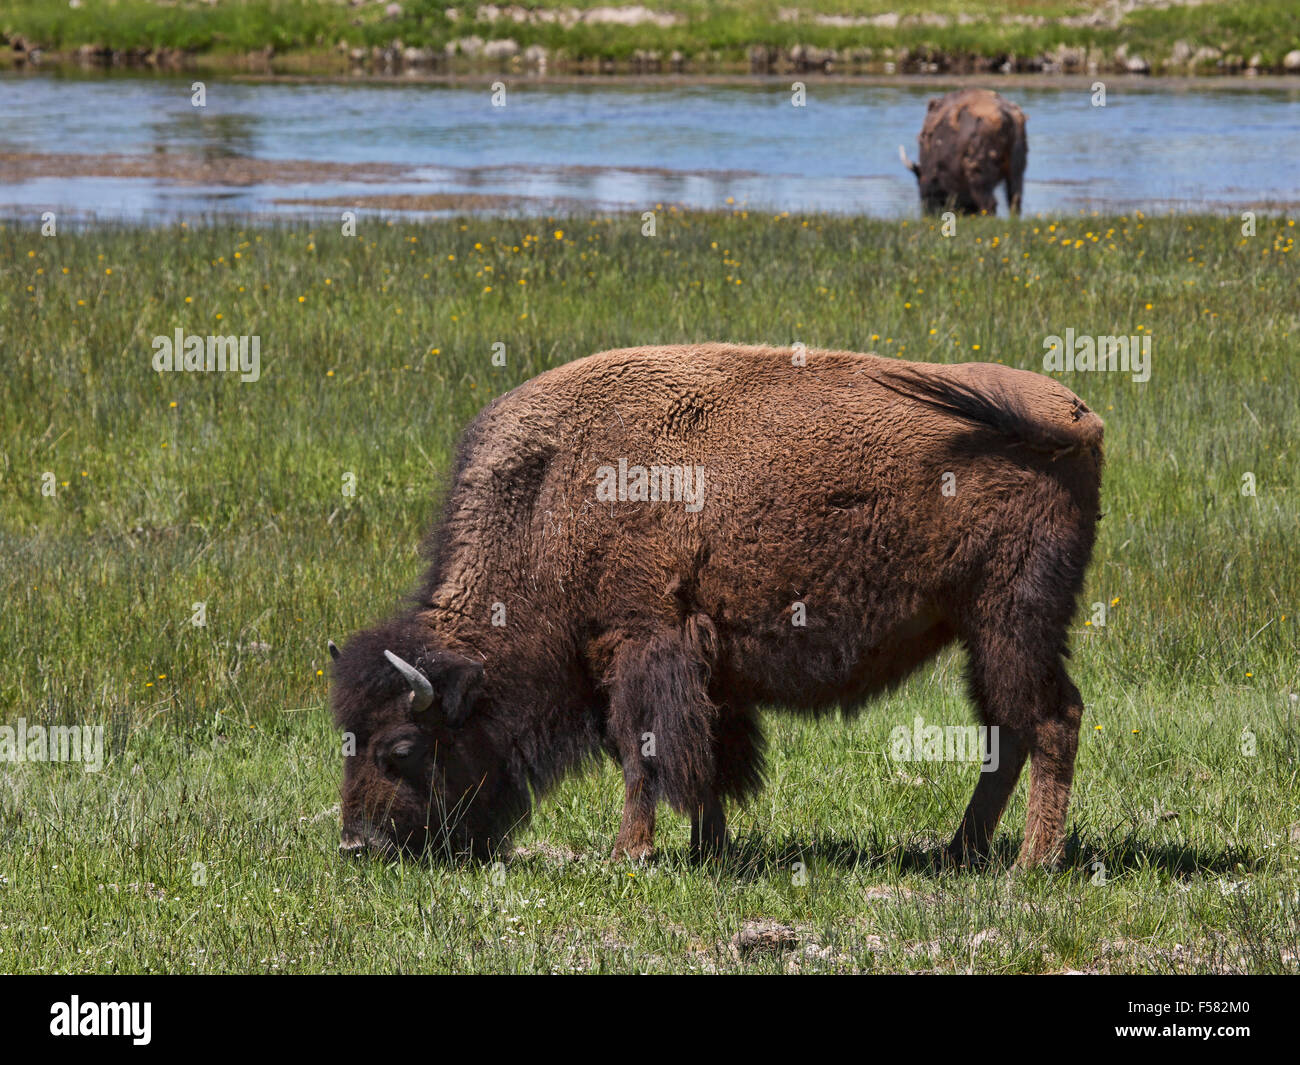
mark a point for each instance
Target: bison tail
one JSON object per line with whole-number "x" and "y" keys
{"x": 1053, "y": 419}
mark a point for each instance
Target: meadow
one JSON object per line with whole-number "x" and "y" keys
{"x": 134, "y": 504}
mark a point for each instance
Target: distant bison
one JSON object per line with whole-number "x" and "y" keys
{"x": 971, "y": 141}
{"x": 639, "y": 548}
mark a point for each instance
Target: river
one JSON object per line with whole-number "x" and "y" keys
{"x": 135, "y": 147}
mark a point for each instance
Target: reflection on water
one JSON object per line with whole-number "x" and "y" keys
{"x": 209, "y": 135}
{"x": 627, "y": 146}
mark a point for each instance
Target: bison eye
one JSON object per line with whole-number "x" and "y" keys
{"x": 402, "y": 755}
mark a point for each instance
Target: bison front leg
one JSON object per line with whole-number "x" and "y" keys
{"x": 636, "y": 832}
{"x": 985, "y": 201}
{"x": 709, "y": 830}
{"x": 662, "y": 721}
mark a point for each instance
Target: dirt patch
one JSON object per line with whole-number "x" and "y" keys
{"x": 631, "y": 15}
{"x": 187, "y": 169}
{"x": 758, "y": 938}
{"x": 222, "y": 171}
{"x": 433, "y": 201}
{"x": 548, "y": 853}
{"x": 798, "y": 946}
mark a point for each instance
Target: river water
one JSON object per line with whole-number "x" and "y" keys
{"x": 609, "y": 145}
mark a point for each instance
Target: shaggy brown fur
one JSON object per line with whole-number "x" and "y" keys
{"x": 653, "y": 632}
{"x": 971, "y": 141}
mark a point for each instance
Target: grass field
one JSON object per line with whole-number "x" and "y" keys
{"x": 207, "y": 842}
{"x": 710, "y": 33}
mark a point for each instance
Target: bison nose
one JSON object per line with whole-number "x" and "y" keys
{"x": 352, "y": 845}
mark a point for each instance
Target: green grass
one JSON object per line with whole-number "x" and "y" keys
{"x": 178, "y": 489}
{"x": 714, "y": 34}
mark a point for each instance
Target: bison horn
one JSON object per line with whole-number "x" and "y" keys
{"x": 421, "y": 689}
{"x": 334, "y": 650}
{"x": 902, "y": 154}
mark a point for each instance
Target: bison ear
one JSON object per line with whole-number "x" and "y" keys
{"x": 461, "y": 680}
{"x": 935, "y": 101}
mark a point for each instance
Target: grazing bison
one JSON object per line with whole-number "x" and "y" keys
{"x": 971, "y": 141}
{"x": 639, "y": 548}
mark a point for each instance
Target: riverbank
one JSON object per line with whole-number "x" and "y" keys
{"x": 1188, "y": 38}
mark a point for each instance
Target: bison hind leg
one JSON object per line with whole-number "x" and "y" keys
{"x": 1015, "y": 188}
{"x": 1019, "y": 683}
{"x": 1016, "y": 174}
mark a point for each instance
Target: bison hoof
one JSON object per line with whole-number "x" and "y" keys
{"x": 713, "y": 848}
{"x": 1051, "y": 863}
{"x": 637, "y": 852}
{"x": 961, "y": 855}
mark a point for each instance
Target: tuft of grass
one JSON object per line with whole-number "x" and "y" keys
{"x": 206, "y": 842}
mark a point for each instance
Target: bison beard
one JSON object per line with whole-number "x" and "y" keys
{"x": 828, "y": 561}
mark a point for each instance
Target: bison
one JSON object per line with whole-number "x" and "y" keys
{"x": 640, "y": 548}
{"x": 971, "y": 141}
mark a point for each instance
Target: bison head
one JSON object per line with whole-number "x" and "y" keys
{"x": 940, "y": 186}
{"x": 419, "y": 772}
